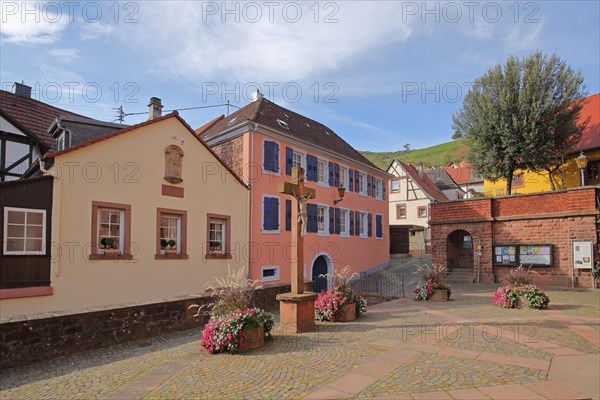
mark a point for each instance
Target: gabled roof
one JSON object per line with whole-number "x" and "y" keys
{"x": 461, "y": 173}
{"x": 442, "y": 179}
{"x": 84, "y": 129}
{"x": 174, "y": 114}
{"x": 425, "y": 183}
{"x": 32, "y": 116}
{"x": 590, "y": 137}
{"x": 267, "y": 113}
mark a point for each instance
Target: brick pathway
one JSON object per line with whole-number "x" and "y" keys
{"x": 463, "y": 349}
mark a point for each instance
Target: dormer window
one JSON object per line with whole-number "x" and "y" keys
{"x": 232, "y": 120}
{"x": 283, "y": 124}
{"x": 62, "y": 141}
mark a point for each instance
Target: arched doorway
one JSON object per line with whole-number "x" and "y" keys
{"x": 460, "y": 250}
{"x": 319, "y": 267}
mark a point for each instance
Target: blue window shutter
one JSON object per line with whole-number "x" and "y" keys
{"x": 356, "y": 179}
{"x": 268, "y": 155}
{"x": 331, "y": 174}
{"x": 336, "y": 169}
{"x": 369, "y": 225}
{"x": 350, "y": 180}
{"x": 378, "y": 226}
{"x": 331, "y": 220}
{"x": 368, "y": 185}
{"x": 288, "y": 215}
{"x": 311, "y": 211}
{"x": 269, "y": 213}
{"x": 383, "y": 185}
{"x": 338, "y": 215}
{"x": 275, "y": 157}
{"x": 311, "y": 168}
{"x": 289, "y": 158}
{"x": 351, "y": 222}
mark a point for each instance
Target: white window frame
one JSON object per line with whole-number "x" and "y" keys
{"x": 262, "y": 164}
{"x": 224, "y": 228}
{"x": 325, "y": 231}
{"x": 382, "y": 227}
{"x": 363, "y": 216}
{"x": 302, "y": 158}
{"x": 276, "y": 277}
{"x": 24, "y": 252}
{"x": 345, "y": 179}
{"x": 392, "y": 185}
{"x": 62, "y": 141}
{"x": 262, "y": 225}
{"x": 362, "y": 184}
{"x": 121, "y": 231}
{"x": 346, "y": 231}
{"x": 325, "y": 182}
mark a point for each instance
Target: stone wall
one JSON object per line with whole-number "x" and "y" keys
{"x": 32, "y": 338}
{"x": 232, "y": 154}
{"x": 554, "y": 218}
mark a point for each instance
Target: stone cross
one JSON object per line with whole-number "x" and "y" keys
{"x": 302, "y": 195}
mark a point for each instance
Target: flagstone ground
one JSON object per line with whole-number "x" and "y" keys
{"x": 462, "y": 349}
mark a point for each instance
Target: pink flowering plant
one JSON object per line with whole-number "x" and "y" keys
{"x": 228, "y": 333}
{"x": 329, "y": 303}
{"x": 423, "y": 291}
{"x": 432, "y": 279}
{"x": 507, "y": 296}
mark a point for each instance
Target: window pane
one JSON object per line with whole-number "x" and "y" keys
{"x": 16, "y": 217}
{"x": 34, "y": 232}
{"x": 33, "y": 245}
{"x": 104, "y": 216}
{"x": 114, "y": 217}
{"x": 103, "y": 230}
{"x": 14, "y": 244}
{"x": 15, "y": 231}
{"x": 115, "y": 230}
{"x": 35, "y": 218}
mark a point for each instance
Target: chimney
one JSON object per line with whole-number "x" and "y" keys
{"x": 154, "y": 108}
{"x": 257, "y": 95}
{"x": 21, "y": 89}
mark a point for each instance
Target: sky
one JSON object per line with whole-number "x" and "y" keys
{"x": 381, "y": 74}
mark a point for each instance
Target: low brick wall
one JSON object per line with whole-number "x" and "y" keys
{"x": 28, "y": 339}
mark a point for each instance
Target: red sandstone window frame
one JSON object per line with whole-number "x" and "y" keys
{"x": 419, "y": 209}
{"x": 226, "y": 255}
{"x": 400, "y": 207}
{"x": 182, "y": 246}
{"x": 95, "y": 250}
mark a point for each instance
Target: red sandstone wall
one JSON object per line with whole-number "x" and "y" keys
{"x": 232, "y": 154}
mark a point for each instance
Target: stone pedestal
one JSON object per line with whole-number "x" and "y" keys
{"x": 297, "y": 312}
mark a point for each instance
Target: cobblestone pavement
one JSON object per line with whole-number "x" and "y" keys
{"x": 465, "y": 348}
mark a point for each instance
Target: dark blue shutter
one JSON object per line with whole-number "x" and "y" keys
{"x": 384, "y": 186}
{"x": 351, "y": 222}
{"x": 289, "y": 160}
{"x": 350, "y": 180}
{"x": 271, "y": 156}
{"x": 378, "y": 226}
{"x": 369, "y": 225}
{"x": 311, "y": 168}
{"x": 331, "y": 220}
{"x": 288, "y": 215}
{"x": 338, "y": 215}
{"x": 331, "y": 174}
{"x": 271, "y": 214}
{"x": 311, "y": 211}
{"x": 356, "y": 179}
{"x": 336, "y": 169}
{"x": 369, "y": 185}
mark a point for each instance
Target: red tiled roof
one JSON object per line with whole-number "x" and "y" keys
{"x": 428, "y": 186}
{"x": 266, "y": 113}
{"x": 174, "y": 114}
{"x": 31, "y": 116}
{"x": 591, "y": 135}
{"x": 209, "y": 125}
{"x": 461, "y": 173}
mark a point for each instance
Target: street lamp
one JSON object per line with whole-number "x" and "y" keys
{"x": 582, "y": 164}
{"x": 341, "y": 192}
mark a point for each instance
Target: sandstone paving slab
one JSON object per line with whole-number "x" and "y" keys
{"x": 511, "y": 392}
{"x": 467, "y": 394}
{"x": 555, "y": 391}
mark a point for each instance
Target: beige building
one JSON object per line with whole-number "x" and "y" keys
{"x": 411, "y": 192}
{"x": 142, "y": 214}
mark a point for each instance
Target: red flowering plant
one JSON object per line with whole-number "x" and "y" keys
{"x": 432, "y": 279}
{"x": 232, "y": 315}
{"x": 518, "y": 284}
{"x": 329, "y": 303}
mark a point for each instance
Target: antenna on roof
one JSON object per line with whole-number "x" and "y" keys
{"x": 120, "y": 114}
{"x": 227, "y": 107}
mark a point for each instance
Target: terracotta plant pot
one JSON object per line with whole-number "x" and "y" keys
{"x": 111, "y": 251}
{"x": 439, "y": 295}
{"x": 255, "y": 338}
{"x": 347, "y": 312}
{"x": 171, "y": 252}
{"x": 522, "y": 302}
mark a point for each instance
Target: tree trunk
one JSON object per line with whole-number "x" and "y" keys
{"x": 551, "y": 179}
{"x": 509, "y": 179}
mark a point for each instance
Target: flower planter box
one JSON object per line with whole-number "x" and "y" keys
{"x": 111, "y": 251}
{"x": 171, "y": 252}
{"x": 255, "y": 338}
{"x": 347, "y": 312}
{"x": 439, "y": 295}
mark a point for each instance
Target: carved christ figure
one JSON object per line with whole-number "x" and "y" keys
{"x": 302, "y": 210}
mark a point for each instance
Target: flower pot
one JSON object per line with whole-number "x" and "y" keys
{"x": 255, "y": 338}
{"x": 347, "y": 312}
{"x": 439, "y": 295}
{"x": 171, "y": 252}
{"x": 522, "y": 302}
{"x": 111, "y": 251}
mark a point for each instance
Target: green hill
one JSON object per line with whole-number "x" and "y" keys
{"x": 440, "y": 154}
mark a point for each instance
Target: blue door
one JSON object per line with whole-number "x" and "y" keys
{"x": 319, "y": 268}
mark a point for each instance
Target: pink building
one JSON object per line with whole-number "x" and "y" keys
{"x": 262, "y": 142}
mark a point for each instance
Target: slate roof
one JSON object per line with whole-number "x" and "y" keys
{"x": 590, "y": 138}
{"x": 441, "y": 178}
{"x": 84, "y": 129}
{"x": 32, "y": 116}
{"x": 266, "y": 113}
{"x": 424, "y": 182}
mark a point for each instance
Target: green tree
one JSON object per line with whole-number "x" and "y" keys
{"x": 521, "y": 115}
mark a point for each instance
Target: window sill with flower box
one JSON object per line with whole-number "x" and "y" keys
{"x": 110, "y": 256}
{"x": 218, "y": 256}
{"x": 171, "y": 256}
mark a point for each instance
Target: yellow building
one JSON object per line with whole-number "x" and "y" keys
{"x": 569, "y": 174}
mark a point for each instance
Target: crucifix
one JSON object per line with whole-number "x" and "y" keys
{"x": 302, "y": 195}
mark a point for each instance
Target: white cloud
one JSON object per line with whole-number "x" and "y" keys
{"x": 65, "y": 55}
{"x": 95, "y": 30}
{"x": 182, "y": 44}
{"x": 31, "y": 22}
{"x": 523, "y": 36}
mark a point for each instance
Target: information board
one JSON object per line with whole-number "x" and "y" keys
{"x": 535, "y": 255}
{"x": 505, "y": 255}
{"x": 582, "y": 254}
